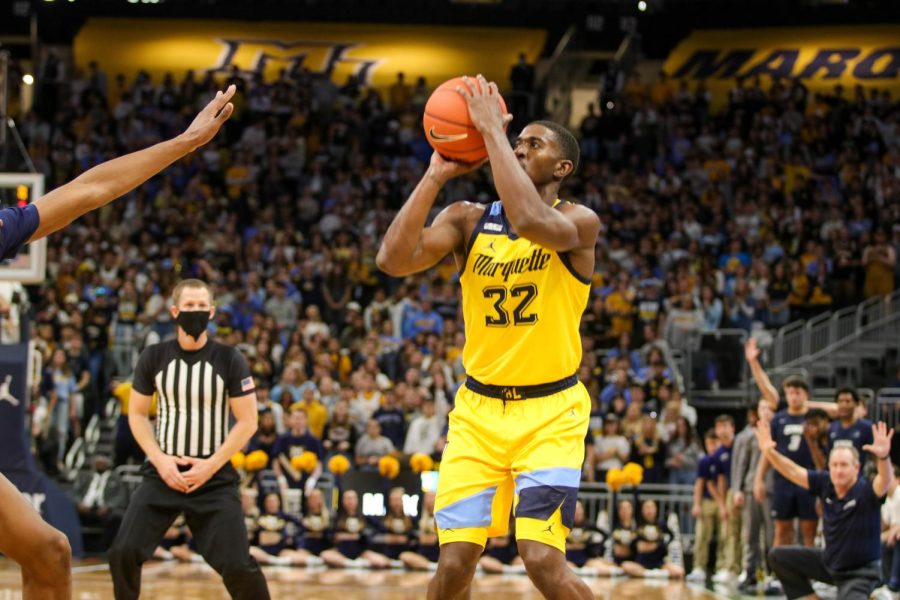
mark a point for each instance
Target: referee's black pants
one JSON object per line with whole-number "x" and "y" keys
{"x": 216, "y": 521}
{"x": 797, "y": 566}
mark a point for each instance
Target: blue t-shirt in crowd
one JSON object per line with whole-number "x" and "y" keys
{"x": 706, "y": 470}
{"x": 859, "y": 434}
{"x": 722, "y": 459}
{"x": 852, "y": 524}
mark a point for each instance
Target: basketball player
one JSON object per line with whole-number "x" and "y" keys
{"x": 42, "y": 551}
{"x": 516, "y": 434}
{"x": 848, "y": 429}
{"x": 201, "y": 385}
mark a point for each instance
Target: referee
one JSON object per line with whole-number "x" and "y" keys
{"x": 851, "y": 559}
{"x": 189, "y": 468}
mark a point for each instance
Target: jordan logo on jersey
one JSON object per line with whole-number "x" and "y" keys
{"x": 488, "y": 267}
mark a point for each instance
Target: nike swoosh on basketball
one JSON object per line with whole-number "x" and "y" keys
{"x": 438, "y": 137}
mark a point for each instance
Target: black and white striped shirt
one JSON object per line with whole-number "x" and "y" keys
{"x": 194, "y": 389}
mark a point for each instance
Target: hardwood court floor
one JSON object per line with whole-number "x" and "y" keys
{"x": 165, "y": 581}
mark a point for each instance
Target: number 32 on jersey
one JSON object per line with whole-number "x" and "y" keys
{"x": 516, "y": 298}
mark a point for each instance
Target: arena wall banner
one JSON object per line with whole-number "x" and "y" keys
{"x": 821, "y": 57}
{"x": 374, "y": 52}
{"x": 16, "y": 461}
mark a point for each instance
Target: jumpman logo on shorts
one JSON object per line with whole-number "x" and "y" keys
{"x": 549, "y": 529}
{"x": 4, "y": 391}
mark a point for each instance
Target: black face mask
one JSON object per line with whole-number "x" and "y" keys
{"x": 193, "y": 322}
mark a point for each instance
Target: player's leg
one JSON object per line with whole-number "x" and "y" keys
{"x": 548, "y": 461}
{"x": 456, "y": 568}
{"x": 808, "y": 531}
{"x": 215, "y": 517}
{"x": 474, "y": 491}
{"x": 41, "y": 551}
{"x": 808, "y": 517}
{"x": 151, "y": 511}
{"x": 733, "y": 539}
{"x": 784, "y": 511}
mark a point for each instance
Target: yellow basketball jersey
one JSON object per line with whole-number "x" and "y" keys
{"x": 522, "y": 306}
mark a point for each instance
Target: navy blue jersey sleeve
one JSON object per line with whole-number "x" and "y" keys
{"x": 818, "y": 482}
{"x": 18, "y": 225}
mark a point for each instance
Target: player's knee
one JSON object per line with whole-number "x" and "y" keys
{"x": 540, "y": 559}
{"x": 54, "y": 560}
{"x": 455, "y": 565}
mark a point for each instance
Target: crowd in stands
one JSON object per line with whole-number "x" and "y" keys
{"x": 777, "y": 206}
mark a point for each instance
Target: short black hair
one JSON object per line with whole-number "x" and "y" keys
{"x": 567, "y": 142}
{"x": 816, "y": 413}
{"x": 710, "y": 434}
{"x": 847, "y": 390}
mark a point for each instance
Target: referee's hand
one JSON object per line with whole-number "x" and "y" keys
{"x": 199, "y": 473}
{"x": 167, "y": 467}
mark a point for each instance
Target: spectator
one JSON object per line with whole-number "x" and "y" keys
{"x": 340, "y": 434}
{"x": 391, "y": 419}
{"x": 425, "y": 431}
{"x": 372, "y": 446}
{"x": 294, "y": 443}
{"x": 316, "y": 413}
{"x": 682, "y": 454}
{"x": 611, "y": 449}
{"x": 101, "y": 498}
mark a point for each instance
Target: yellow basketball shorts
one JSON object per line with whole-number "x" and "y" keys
{"x": 523, "y": 454}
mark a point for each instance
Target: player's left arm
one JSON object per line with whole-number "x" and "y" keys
{"x": 562, "y": 231}
{"x": 106, "y": 182}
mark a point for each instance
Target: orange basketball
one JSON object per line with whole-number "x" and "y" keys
{"x": 447, "y": 125}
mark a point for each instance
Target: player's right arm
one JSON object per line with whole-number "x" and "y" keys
{"x": 408, "y": 246}
{"x": 768, "y": 391}
{"x": 142, "y": 429}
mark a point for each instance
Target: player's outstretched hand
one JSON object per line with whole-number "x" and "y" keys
{"x": 881, "y": 440}
{"x": 208, "y": 121}
{"x": 751, "y": 350}
{"x": 764, "y": 436}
